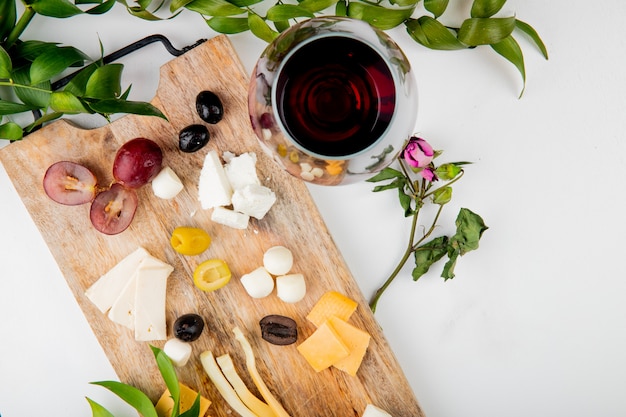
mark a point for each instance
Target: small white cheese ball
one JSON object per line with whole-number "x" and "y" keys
{"x": 291, "y": 288}
{"x": 166, "y": 184}
{"x": 258, "y": 283}
{"x": 278, "y": 260}
{"x": 178, "y": 351}
{"x": 373, "y": 411}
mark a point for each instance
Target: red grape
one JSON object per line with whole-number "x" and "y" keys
{"x": 69, "y": 183}
{"x": 137, "y": 162}
{"x": 113, "y": 210}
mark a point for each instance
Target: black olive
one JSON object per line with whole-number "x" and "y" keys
{"x": 193, "y": 137}
{"x": 209, "y": 107}
{"x": 188, "y": 327}
{"x": 279, "y": 330}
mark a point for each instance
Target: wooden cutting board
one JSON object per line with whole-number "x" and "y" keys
{"x": 83, "y": 254}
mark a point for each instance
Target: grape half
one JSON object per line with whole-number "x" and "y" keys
{"x": 137, "y": 162}
{"x": 69, "y": 183}
{"x": 113, "y": 210}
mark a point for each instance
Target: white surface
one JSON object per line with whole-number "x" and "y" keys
{"x": 533, "y": 324}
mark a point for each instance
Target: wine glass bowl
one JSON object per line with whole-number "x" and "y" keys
{"x": 332, "y": 100}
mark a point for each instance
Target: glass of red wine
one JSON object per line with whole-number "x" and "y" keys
{"x": 333, "y": 100}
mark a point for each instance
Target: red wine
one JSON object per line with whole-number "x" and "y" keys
{"x": 335, "y": 96}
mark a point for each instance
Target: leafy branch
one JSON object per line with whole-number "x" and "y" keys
{"x": 415, "y": 184}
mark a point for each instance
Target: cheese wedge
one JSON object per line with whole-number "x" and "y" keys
{"x": 323, "y": 348}
{"x": 107, "y": 288}
{"x": 214, "y": 189}
{"x": 332, "y": 303}
{"x": 165, "y": 404}
{"x": 357, "y": 342}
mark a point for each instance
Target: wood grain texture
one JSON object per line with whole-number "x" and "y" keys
{"x": 83, "y": 254}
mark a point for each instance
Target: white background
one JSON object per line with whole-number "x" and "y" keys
{"x": 534, "y": 324}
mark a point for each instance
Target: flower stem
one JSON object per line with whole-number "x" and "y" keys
{"x": 20, "y": 26}
{"x": 396, "y": 271}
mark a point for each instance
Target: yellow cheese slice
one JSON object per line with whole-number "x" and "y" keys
{"x": 331, "y": 303}
{"x": 323, "y": 348}
{"x": 165, "y": 404}
{"x": 357, "y": 342}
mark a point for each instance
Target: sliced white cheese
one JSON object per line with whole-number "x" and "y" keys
{"x": 150, "y": 295}
{"x": 122, "y": 310}
{"x": 108, "y": 287}
{"x": 214, "y": 189}
{"x": 241, "y": 170}
{"x": 373, "y": 411}
{"x": 254, "y": 200}
{"x": 230, "y": 218}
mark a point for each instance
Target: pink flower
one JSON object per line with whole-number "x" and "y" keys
{"x": 418, "y": 153}
{"x": 429, "y": 174}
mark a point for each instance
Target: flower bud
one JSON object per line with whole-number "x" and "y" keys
{"x": 418, "y": 153}
{"x": 447, "y": 171}
{"x": 442, "y": 195}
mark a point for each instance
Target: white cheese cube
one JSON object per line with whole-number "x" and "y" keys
{"x": 291, "y": 288}
{"x": 213, "y": 186}
{"x": 373, "y": 411}
{"x": 166, "y": 184}
{"x": 108, "y": 287}
{"x": 241, "y": 170}
{"x": 150, "y": 293}
{"x": 253, "y": 200}
{"x": 230, "y": 218}
{"x": 258, "y": 283}
{"x": 178, "y": 351}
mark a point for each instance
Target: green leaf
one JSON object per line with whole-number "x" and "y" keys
{"x": 282, "y": 12}
{"x": 436, "y": 7}
{"x": 194, "y": 410}
{"x": 55, "y": 8}
{"x": 9, "y": 107}
{"x": 11, "y": 131}
{"x": 228, "y": 25}
{"x": 78, "y": 83}
{"x": 510, "y": 49}
{"x": 532, "y": 33}
{"x": 43, "y": 119}
{"x": 469, "y": 229}
{"x": 316, "y": 5}
{"x": 37, "y": 96}
{"x": 177, "y": 4}
{"x": 214, "y": 8}
{"x": 131, "y": 395}
{"x": 432, "y": 34}
{"x": 6, "y": 67}
{"x": 427, "y": 254}
{"x": 245, "y": 3}
{"x": 484, "y": 31}
{"x": 8, "y": 17}
{"x": 97, "y": 410}
{"x": 341, "y": 8}
{"x": 260, "y": 28}
{"x": 101, "y": 8}
{"x": 169, "y": 376}
{"x": 386, "y": 174}
{"x": 29, "y": 50}
{"x": 66, "y": 102}
{"x": 486, "y": 8}
{"x": 53, "y": 62}
{"x": 378, "y": 16}
{"x": 105, "y": 82}
{"x": 404, "y": 3}
{"x": 448, "y": 269}
{"x": 111, "y": 106}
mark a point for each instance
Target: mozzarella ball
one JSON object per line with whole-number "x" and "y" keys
{"x": 166, "y": 184}
{"x": 178, "y": 351}
{"x": 290, "y": 288}
{"x": 278, "y": 260}
{"x": 258, "y": 283}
